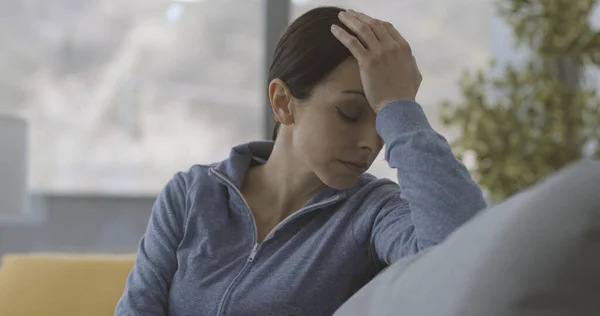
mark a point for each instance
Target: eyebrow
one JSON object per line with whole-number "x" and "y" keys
{"x": 362, "y": 94}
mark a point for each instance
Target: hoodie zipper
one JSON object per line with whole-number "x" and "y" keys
{"x": 301, "y": 211}
{"x": 227, "y": 294}
{"x": 256, "y": 246}
{"x": 253, "y": 252}
{"x": 230, "y": 184}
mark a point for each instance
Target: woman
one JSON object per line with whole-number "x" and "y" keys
{"x": 295, "y": 226}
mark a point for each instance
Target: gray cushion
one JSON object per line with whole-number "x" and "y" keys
{"x": 536, "y": 254}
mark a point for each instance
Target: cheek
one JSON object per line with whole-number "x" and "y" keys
{"x": 309, "y": 136}
{"x": 324, "y": 134}
{"x": 317, "y": 139}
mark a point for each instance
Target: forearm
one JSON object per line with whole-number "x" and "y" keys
{"x": 438, "y": 188}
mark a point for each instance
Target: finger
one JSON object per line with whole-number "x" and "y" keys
{"x": 419, "y": 75}
{"x": 377, "y": 26}
{"x": 414, "y": 60}
{"x": 394, "y": 33}
{"x": 355, "y": 47}
{"x": 416, "y": 65}
{"x": 360, "y": 28}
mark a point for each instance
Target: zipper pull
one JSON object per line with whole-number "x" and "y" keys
{"x": 253, "y": 252}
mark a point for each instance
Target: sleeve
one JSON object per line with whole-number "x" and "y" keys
{"x": 147, "y": 288}
{"x": 437, "y": 193}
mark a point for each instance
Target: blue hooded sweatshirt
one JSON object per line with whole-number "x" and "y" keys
{"x": 200, "y": 255}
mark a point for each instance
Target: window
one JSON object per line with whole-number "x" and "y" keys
{"x": 444, "y": 39}
{"x": 121, "y": 94}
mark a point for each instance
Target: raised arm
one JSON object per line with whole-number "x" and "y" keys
{"x": 437, "y": 193}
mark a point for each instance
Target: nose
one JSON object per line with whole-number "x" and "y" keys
{"x": 370, "y": 140}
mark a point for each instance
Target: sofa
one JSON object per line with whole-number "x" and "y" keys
{"x": 54, "y": 284}
{"x": 536, "y": 254}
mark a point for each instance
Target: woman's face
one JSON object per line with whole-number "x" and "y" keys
{"x": 334, "y": 130}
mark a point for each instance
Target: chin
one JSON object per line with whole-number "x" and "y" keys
{"x": 340, "y": 182}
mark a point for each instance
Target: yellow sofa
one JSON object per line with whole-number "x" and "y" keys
{"x": 62, "y": 284}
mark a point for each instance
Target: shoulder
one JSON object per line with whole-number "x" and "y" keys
{"x": 369, "y": 202}
{"x": 195, "y": 179}
{"x": 185, "y": 187}
{"x": 371, "y": 194}
{"x": 194, "y": 176}
{"x": 370, "y": 186}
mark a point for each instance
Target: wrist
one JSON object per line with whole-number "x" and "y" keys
{"x": 384, "y": 102}
{"x": 399, "y": 117}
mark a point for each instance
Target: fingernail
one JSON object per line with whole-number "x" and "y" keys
{"x": 334, "y": 28}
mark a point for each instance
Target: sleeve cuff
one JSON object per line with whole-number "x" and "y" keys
{"x": 402, "y": 116}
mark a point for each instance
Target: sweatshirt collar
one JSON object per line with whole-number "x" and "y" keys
{"x": 243, "y": 156}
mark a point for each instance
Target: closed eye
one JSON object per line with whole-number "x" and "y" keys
{"x": 347, "y": 117}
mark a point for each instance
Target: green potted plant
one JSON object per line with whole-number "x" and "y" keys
{"x": 535, "y": 117}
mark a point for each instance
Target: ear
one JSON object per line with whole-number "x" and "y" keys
{"x": 281, "y": 102}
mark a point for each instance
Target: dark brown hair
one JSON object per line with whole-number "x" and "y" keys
{"x": 307, "y": 52}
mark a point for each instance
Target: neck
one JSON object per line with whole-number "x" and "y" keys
{"x": 284, "y": 180}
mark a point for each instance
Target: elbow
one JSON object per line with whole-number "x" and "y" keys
{"x": 422, "y": 244}
{"x": 417, "y": 245}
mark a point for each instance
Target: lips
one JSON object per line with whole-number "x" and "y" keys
{"x": 359, "y": 167}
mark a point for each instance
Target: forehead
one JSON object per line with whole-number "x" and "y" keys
{"x": 344, "y": 77}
